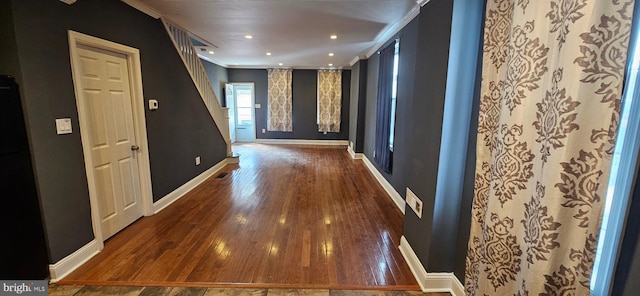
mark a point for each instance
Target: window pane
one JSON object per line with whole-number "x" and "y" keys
{"x": 394, "y": 94}
{"x": 243, "y": 98}
{"x": 244, "y": 115}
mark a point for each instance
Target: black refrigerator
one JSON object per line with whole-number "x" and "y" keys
{"x": 23, "y": 251}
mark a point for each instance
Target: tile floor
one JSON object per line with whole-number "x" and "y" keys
{"x": 57, "y": 290}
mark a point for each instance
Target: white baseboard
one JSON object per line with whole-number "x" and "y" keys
{"x": 430, "y": 282}
{"x": 68, "y": 264}
{"x": 303, "y": 142}
{"x": 353, "y": 154}
{"x": 395, "y": 196}
{"x": 182, "y": 190}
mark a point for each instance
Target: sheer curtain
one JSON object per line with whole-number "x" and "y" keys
{"x": 329, "y": 100}
{"x": 279, "y": 118}
{"x": 550, "y": 102}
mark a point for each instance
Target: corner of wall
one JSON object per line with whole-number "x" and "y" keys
{"x": 68, "y": 264}
{"x": 430, "y": 282}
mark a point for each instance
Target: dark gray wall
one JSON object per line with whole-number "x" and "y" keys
{"x": 427, "y": 111}
{"x": 9, "y": 63}
{"x": 424, "y": 48}
{"x": 304, "y": 100}
{"x": 628, "y": 266}
{"x": 219, "y": 76}
{"x": 371, "y": 103}
{"x": 357, "y": 108}
{"x": 457, "y": 125}
{"x": 180, "y": 130}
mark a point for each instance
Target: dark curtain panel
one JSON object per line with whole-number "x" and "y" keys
{"x": 383, "y": 154}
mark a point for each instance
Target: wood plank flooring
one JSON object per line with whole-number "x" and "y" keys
{"x": 285, "y": 217}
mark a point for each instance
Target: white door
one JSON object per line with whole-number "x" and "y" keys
{"x": 104, "y": 88}
{"x": 245, "y": 114}
{"x": 231, "y": 105}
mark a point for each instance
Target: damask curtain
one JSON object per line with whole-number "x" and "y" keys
{"x": 549, "y": 111}
{"x": 329, "y": 100}
{"x": 279, "y": 93}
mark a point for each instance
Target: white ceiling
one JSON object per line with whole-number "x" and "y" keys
{"x": 296, "y": 32}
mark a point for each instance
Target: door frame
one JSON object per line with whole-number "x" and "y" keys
{"x": 139, "y": 123}
{"x": 253, "y": 108}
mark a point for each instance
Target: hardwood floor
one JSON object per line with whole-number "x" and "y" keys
{"x": 285, "y": 217}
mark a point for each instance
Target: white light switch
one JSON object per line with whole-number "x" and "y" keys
{"x": 258, "y": 106}
{"x": 63, "y": 126}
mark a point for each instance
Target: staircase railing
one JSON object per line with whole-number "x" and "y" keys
{"x": 192, "y": 62}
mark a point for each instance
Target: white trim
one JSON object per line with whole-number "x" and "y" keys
{"x": 139, "y": 122}
{"x": 422, "y": 2}
{"x": 143, "y": 8}
{"x": 353, "y": 154}
{"x": 391, "y": 30}
{"x": 186, "y": 187}
{"x": 303, "y": 142}
{"x": 414, "y": 263}
{"x": 70, "y": 263}
{"x": 355, "y": 60}
{"x": 430, "y": 282}
{"x": 395, "y": 196}
{"x": 68, "y": 1}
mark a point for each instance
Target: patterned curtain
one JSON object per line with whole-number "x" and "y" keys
{"x": 549, "y": 111}
{"x": 329, "y": 100}
{"x": 279, "y": 93}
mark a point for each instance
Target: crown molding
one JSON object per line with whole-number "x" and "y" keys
{"x": 422, "y": 2}
{"x": 148, "y": 10}
{"x": 355, "y": 60}
{"x": 68, "y": 1}
{"x": 393, "y": 29}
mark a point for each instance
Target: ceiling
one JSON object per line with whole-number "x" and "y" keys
{"x": 295, "y": 32}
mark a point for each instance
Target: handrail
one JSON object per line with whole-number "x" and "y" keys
{"x": 182, "y": 42}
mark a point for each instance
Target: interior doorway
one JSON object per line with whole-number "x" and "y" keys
{"x": 242, "y": 104}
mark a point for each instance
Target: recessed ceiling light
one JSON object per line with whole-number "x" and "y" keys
{"x": 331, "y": 54}
{"x": 211, "y": 52}
{"x": 330, "y": 65}
{"x": 280, "y": 64}
{"x": 334, "y": 36}
{"x": 248, "y": 36}
{"x": 268, "y": 53}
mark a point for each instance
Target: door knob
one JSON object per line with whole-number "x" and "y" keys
{"x": 134, "y": 148}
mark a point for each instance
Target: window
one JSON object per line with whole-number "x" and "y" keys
{"x": 279, "y": 95}
{"x": 394, "y": 95}
{"x": 385, "y": 113}
{"x": 329, "y": 100}
{"x": 244, "y": 107}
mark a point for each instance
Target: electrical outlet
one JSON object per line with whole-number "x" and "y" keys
{"x": 414, "y": 203}
{"x": 197, "y": 160}
{"x": 264, "y": 131}
{"x": 418, "y": 207}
